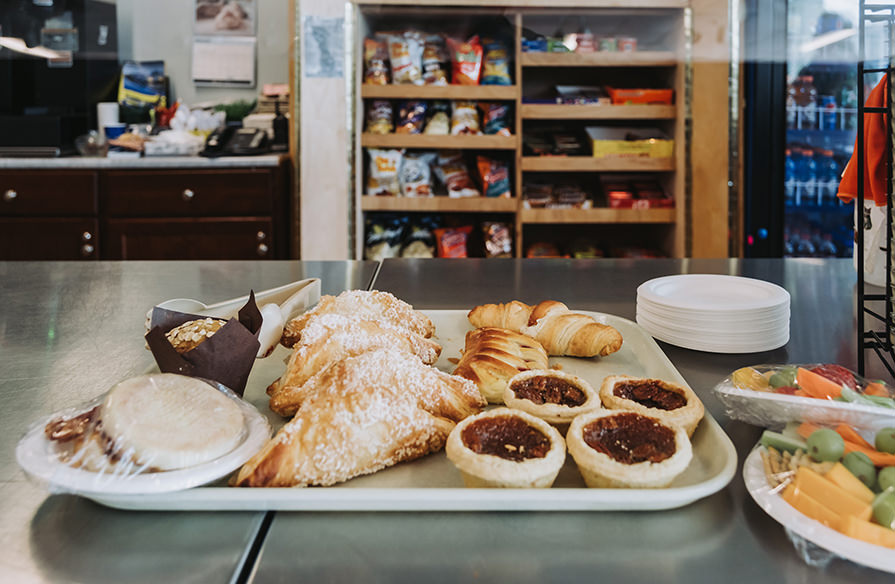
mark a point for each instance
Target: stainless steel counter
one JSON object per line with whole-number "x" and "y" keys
{"x": 68, "y": 329}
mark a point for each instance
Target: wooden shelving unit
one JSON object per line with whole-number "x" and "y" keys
{"x": 661, "y": 62}
{"x": 477, "y": 142}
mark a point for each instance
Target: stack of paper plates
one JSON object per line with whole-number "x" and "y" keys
{"x": 714, "y": 313}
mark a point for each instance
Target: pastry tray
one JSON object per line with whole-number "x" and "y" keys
{"x": 433, "y": 483}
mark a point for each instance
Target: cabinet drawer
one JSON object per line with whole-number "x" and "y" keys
{"x": 47, "y": 194}
{"x": 188, "y": 193}
{"x": 188, "y": 239}
{"x": 48, "y": 239}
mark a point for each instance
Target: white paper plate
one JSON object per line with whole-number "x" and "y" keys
{"x": 719, "y": 327}
{"x": 712, "y": 292}
{"x": 764, "y": 408}
{"x": 703, "y": 320}
{"x": 773, "y": 504}
{"x": 781, "y": 309}
{"x": 714, "y": 345}
{"x": 35, "y": 455}
{"x": 434, "y": 483}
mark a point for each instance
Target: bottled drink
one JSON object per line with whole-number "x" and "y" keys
{"x": 789, "y": 177}
{"x": 792, "y": 108}
{"x": 827, "y": 248}
{"x": 848, "y": 101}
{"x": 805, "y": 248}
{"x": 806, "y": 100}
{"x": 806, "y": 173}
{"x": 827, "y": 112}
{"x": 828, "y": 177}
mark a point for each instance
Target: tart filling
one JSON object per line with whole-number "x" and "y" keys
{"x": 506, "y": 448}
{"x": 624, "y": 448}
{"x": 554, "y": 396}
{"x": 672, "y": 403}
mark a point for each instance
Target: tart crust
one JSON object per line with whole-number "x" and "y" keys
{"x": 601, "y": 470}
{"x": 558, "y": 414}
{"x": 488, "y": 470}
{"x": 686, "y": 416}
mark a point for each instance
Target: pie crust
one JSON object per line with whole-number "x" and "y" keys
{"x": 548, "y": 386}
{"x": 687, "y": 415}
{"x": 480, "y": 469}
{"x": 600, "y": 470}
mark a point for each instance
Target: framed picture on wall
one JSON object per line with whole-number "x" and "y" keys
{"x": 225, "y": 18}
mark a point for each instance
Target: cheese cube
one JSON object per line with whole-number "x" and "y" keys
{"x": 810, "y": 507}
{"x": 843, "y": 478}
{"x": 869, "y": 532}
{"x": 831, "y": 495}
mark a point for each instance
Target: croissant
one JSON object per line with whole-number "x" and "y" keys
{"x": 551, "y": 323}
{"x": 329, "y": 338}
{"x": 361, "y": 415}
{"x": 493, "y": 355}
{"x": 363, "y": 305}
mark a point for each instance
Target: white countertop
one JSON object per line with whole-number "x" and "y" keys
{"x": 82, "y": 162}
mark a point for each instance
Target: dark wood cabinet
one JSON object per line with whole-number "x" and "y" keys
{"x": 145, "y": 213}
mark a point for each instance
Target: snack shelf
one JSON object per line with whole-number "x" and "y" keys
{"x": 598, "y": 112}
{"x": 440, "y": 204}
{"x": 590, "y": 164}
{"x": 479, "y": 92}
{"x": 604, "y": 215}
{"x": 493, "y": 142}
{"x": 601, "y": 59}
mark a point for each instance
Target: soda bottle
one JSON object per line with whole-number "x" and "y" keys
{"x": 806, "y": 99}
{"x": 827, "y": 112}
{"x": 792, "y": 107}
{"x": 789, "y": 177}
{"x": 805, "y": 248}
{"x": 807, "y": 176}
{"x": 828, "y": 176}
{"x": 848, "y": 101}
{"x": 827, "y": 248}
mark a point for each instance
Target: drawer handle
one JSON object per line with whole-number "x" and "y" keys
{"x": 87, "y": 250}
{"x": 86, "y": 236}
{"x": 261, "y": 236}
{"x": 263, "y": 249}
{"x": 10, "y": 195}
{"x": 188, "y": 194}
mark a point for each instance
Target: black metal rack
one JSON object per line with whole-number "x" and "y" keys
{"x": 877, "y": 333}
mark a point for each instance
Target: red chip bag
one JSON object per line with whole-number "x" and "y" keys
{"x": 452, "y": 241}
{"x": 466, "y": 61}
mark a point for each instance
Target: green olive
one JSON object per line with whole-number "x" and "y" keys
{"x": 885, "y": 440}
{"x": 825, "y": 445}
{"x": 860, "y": 465}
{"x": 884, "y": 509}
{"x": 886, "y": 478}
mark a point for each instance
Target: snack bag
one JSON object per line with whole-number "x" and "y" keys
{"x": 382, "y": 179}
{"x": 379, "y": 117}
{"x": 495, "y": 176}
{"x": 466, "y": 59}
{"x": 439, "y": 123}
{"x": 452, "y": 241}
{"x": 405, "y": 54}
{"x": 411, "y": 116}
{"x": 495, "y": 64}
{"x": 420, "y": 241}
{"x": 375, "y": 62}
{"x": 498, "y": 239}
{"x": 416, "y": 174}
{"x": 495, "y": 118}
{"x": 451, "y": 171}
{"x": 435, "y": 61}
{"x": 383, "y": 237}
{"x": 464, "y": 118}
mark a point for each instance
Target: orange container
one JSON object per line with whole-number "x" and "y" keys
{"x": 641, "y": 96}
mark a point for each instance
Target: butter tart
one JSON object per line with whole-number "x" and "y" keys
{"x": 506, "y": 448}
{"x": 554, "y": 396}
{"x": 670, "y": 402}
{"x": 627, "y": 449}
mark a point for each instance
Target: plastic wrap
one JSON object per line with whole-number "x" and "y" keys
{"x": 148, "y": 434}
{"x": 748, "y": 396}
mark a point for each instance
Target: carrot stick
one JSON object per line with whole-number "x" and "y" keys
{"x": 874, "y": 388}
{"x": 849, "y": 434}
{"x": 876, "y": 457}
{"x": 805, "y": 429}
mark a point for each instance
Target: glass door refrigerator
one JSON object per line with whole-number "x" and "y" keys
{"x": 800, "y": 119}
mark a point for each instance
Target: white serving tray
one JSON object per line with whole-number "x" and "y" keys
{"x": 773, "y": 504}
{"x": 433, "y": 483}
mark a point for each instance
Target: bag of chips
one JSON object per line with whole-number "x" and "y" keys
{"x": 375, "y": 62}
{"x": 411, "y": 117}
{"x": 419, "y": 242}
{"x": 379, "y": 117}
{"x": 382, "y": 179}
{"x": 405, "y": 54}
{"x": 495, "y": 118}
{"x": 383, "y": 235}
{"x": 498, "y": 239}
{"x": 452, "y": 241}
{"x": 439, "y": 123}
{"x": 466, "y": 61}
{"x": 451, "y": 171}
{"x": 416, "y": 174}
{"x": 464, "y": 118}
{"x": 495, "y": 64}
{"x": 495, "y": 176}
{"x": 435, "y": 61}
